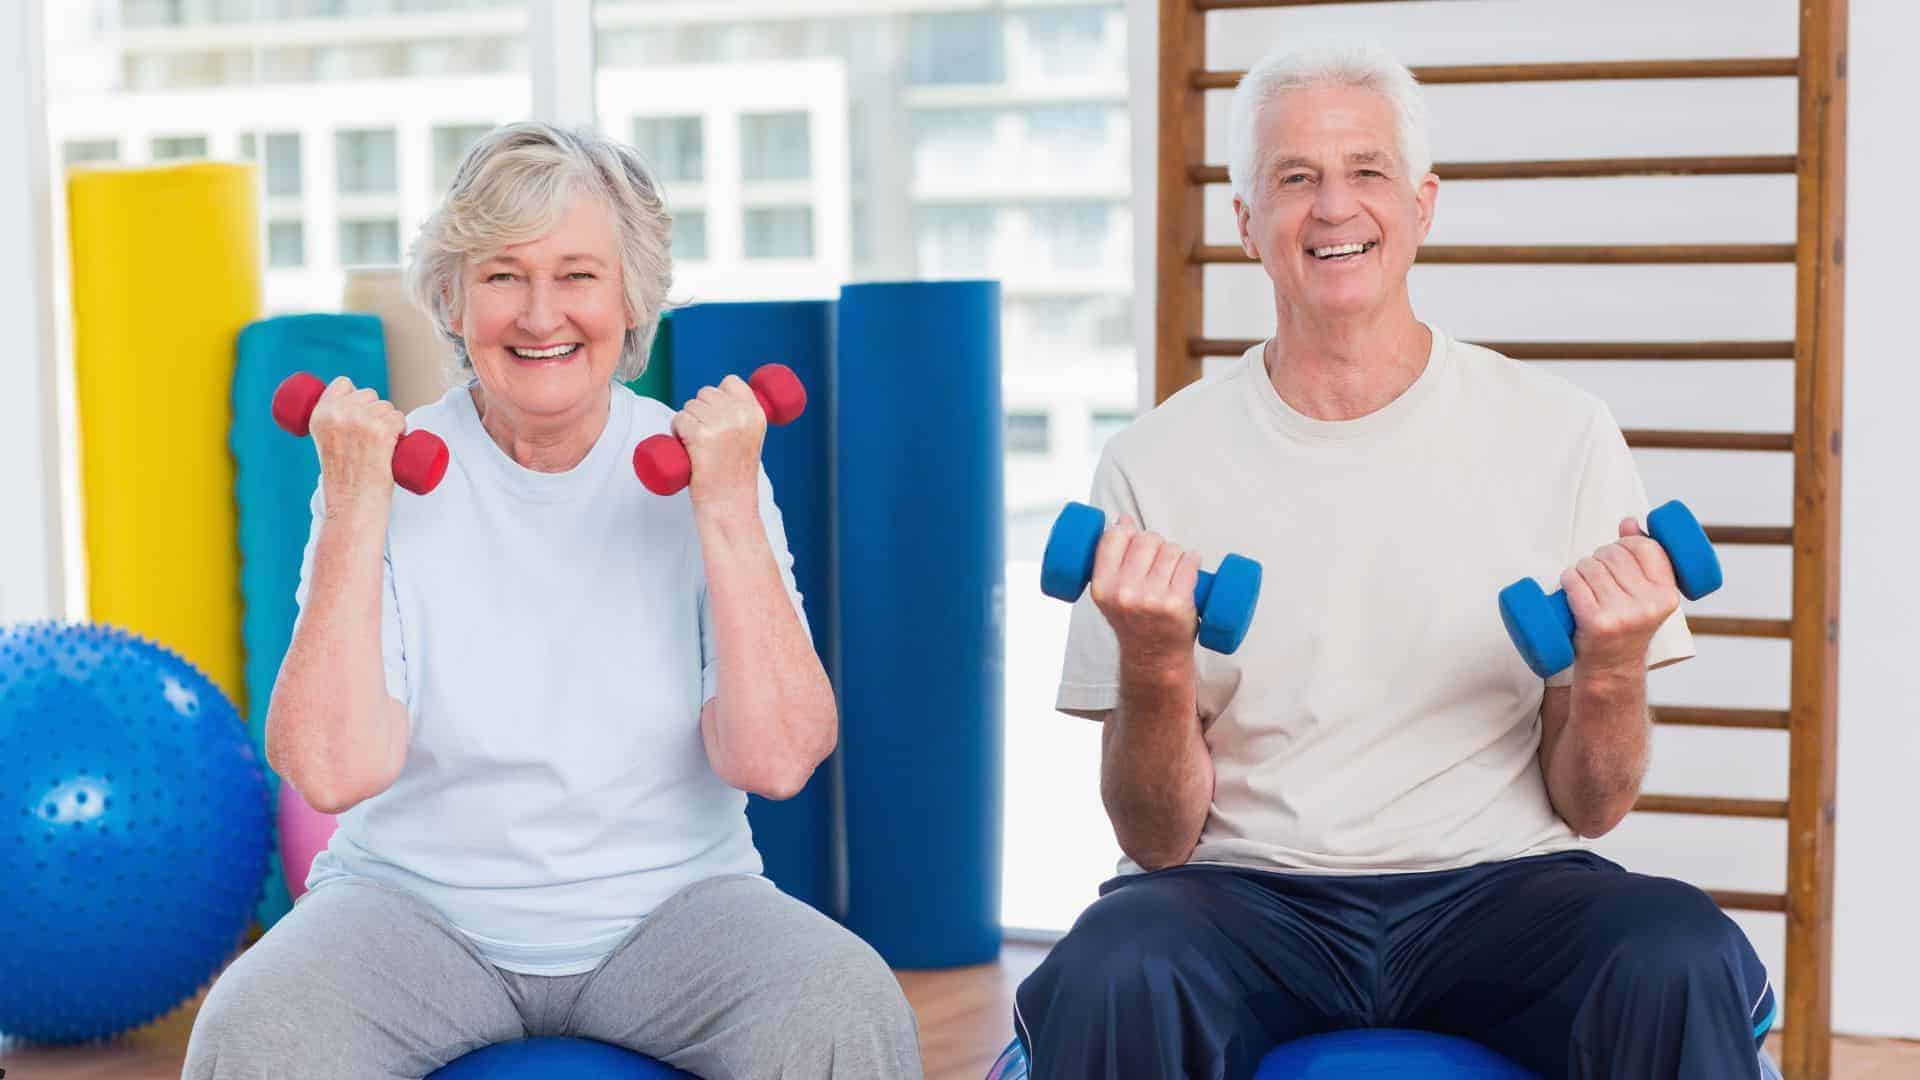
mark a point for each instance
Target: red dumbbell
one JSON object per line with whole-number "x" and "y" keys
{"x": 419, "y": 458}
{"x": 661, "y": 462}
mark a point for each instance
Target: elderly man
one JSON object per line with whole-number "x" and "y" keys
{"x": 1372, "y": 814}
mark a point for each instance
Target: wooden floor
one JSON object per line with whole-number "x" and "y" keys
{"x": 964, "y": 1021}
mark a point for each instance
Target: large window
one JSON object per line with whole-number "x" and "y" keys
{"x": 367, "y": 162}
{"x": 774, "y": 146}
{"x": 354, "y": 111}
{"x": 674, "y": 146}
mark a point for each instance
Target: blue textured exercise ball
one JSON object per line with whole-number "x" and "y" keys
{"x": 134, "y": 831}
{"x": 573, "y": 1059}
{"x": 1371, "y": 1053}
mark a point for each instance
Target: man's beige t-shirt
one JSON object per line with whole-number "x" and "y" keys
{"x": 1376, "y": 719}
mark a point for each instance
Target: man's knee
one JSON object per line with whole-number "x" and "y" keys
{"x": 1670, "y": 934}
{"x": 1122, "y": 950}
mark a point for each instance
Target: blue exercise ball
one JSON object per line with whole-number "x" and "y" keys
{"x": 135, "y": 832}
{"x": 563, "y": 1059}
{"x": 1357, "y": 1055}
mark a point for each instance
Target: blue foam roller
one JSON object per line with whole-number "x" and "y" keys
{"x": 921, "y": 581}
{"x": 274, "y": 477}
{"x": 797, "y": 838}
{"x": 575, "y": 1059}
{"x": 1386, "y": 1052}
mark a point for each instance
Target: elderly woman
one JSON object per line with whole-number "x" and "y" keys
{"x": 537, "y": 697}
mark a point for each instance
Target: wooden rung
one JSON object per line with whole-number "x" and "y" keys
{"x": 1711, "y": 806}
{"x": 1224, "y": 5}
{"x": 1643, "y": 350}
{"x": 1558, "y": 254}
{"x": 1691, "y": 716}
{"x": 1750, "y": 165}
{"x": 1733, "y": 900}
{"x": 1734, "y": 626}
{"x": 1570, "y": 350}
{"x": 1576, "y": 71}
{"x": 1708, "y": 440}
{"x": 1757, "y": 535}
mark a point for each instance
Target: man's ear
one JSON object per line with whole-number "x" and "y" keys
{"x": 1425, "y": 195}
{"x": 1243, "y": 220}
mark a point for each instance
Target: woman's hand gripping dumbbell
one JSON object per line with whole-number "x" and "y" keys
{"x": 661, "y": 461}
{"x": 1542, "y": 625}
{"x": 419, "y": 458}
{"x": 1224, "y": 599}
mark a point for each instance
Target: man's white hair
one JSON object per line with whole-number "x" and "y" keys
{"x": 1365, "y": 66}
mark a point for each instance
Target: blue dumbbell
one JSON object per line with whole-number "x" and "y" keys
{"x": 1541, "y": 626}
{"x": 1224, "y": 598}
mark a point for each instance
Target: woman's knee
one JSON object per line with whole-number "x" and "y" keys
{"x": 244, "y": 1026}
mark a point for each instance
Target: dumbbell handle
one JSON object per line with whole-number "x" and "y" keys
{"x": 661, "y": 461}
{"x": 419, "y": 457}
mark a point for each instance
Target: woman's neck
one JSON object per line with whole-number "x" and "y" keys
{"x": 548, "y": 444}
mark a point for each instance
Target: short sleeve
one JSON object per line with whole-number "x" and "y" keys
{"x": 776, "y": 529}
{"x": 1090, "y": 675}
{"x": 392, "y": 648}
{"x": 1610, "y": 489}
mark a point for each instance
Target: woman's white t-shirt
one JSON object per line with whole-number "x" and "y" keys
{"x": 550, "y": 638}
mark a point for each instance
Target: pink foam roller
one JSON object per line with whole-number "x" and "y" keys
{"x": 304, "y": 833}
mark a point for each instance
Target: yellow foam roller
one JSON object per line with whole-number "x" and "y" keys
{"x": 166, "y": 271}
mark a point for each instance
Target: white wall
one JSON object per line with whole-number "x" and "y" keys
{"x": 30, "y": 514}
{"x": 1880, "y": 739}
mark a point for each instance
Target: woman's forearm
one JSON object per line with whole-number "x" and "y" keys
{"x": 333, "y": 731}
{"x": 773, "y": 717}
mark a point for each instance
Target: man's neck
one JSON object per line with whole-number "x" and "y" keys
{"x": 1346, "y": 368}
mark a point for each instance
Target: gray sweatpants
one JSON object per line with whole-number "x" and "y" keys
{"x": 727, "y": 978}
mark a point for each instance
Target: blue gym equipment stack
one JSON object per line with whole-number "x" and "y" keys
{"x": 922, "y": 573}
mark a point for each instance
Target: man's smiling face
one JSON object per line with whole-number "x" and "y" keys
{"x": 1331, "y": 212}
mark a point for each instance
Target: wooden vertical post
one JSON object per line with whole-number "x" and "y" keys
{"x": 1814, "y": 706}
{"x": 1179, "y": 280}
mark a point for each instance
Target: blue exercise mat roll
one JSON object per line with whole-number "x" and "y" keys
{"x": 797, "y": 838}
{"x": 274, "y": 477}
{"x": 921, "y": 581}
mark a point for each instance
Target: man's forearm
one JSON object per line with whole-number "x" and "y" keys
{"x": 1595, "y": 770}
{"x": 1157, "y": 775}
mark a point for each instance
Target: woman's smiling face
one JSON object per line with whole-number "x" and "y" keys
{"x": 544, "y": 321}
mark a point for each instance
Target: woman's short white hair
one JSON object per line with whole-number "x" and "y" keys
{"x": 514, "y": 186}
{"x": 1364, "y": 66}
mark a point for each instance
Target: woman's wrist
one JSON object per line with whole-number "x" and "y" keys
{"x": 732, "y": 516}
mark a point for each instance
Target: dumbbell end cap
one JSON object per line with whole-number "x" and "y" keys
{"x": 1696, "y": 566}
{"x": 1230, "y": 604}
{"x": 293, "y": 402}
{"x": 662, "y": 464}
{"x": 1543, "y": 643}
{"x": 420, "y": 461}
{"x": 781, "y": 393}
{"x": 1067, "y": 565}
